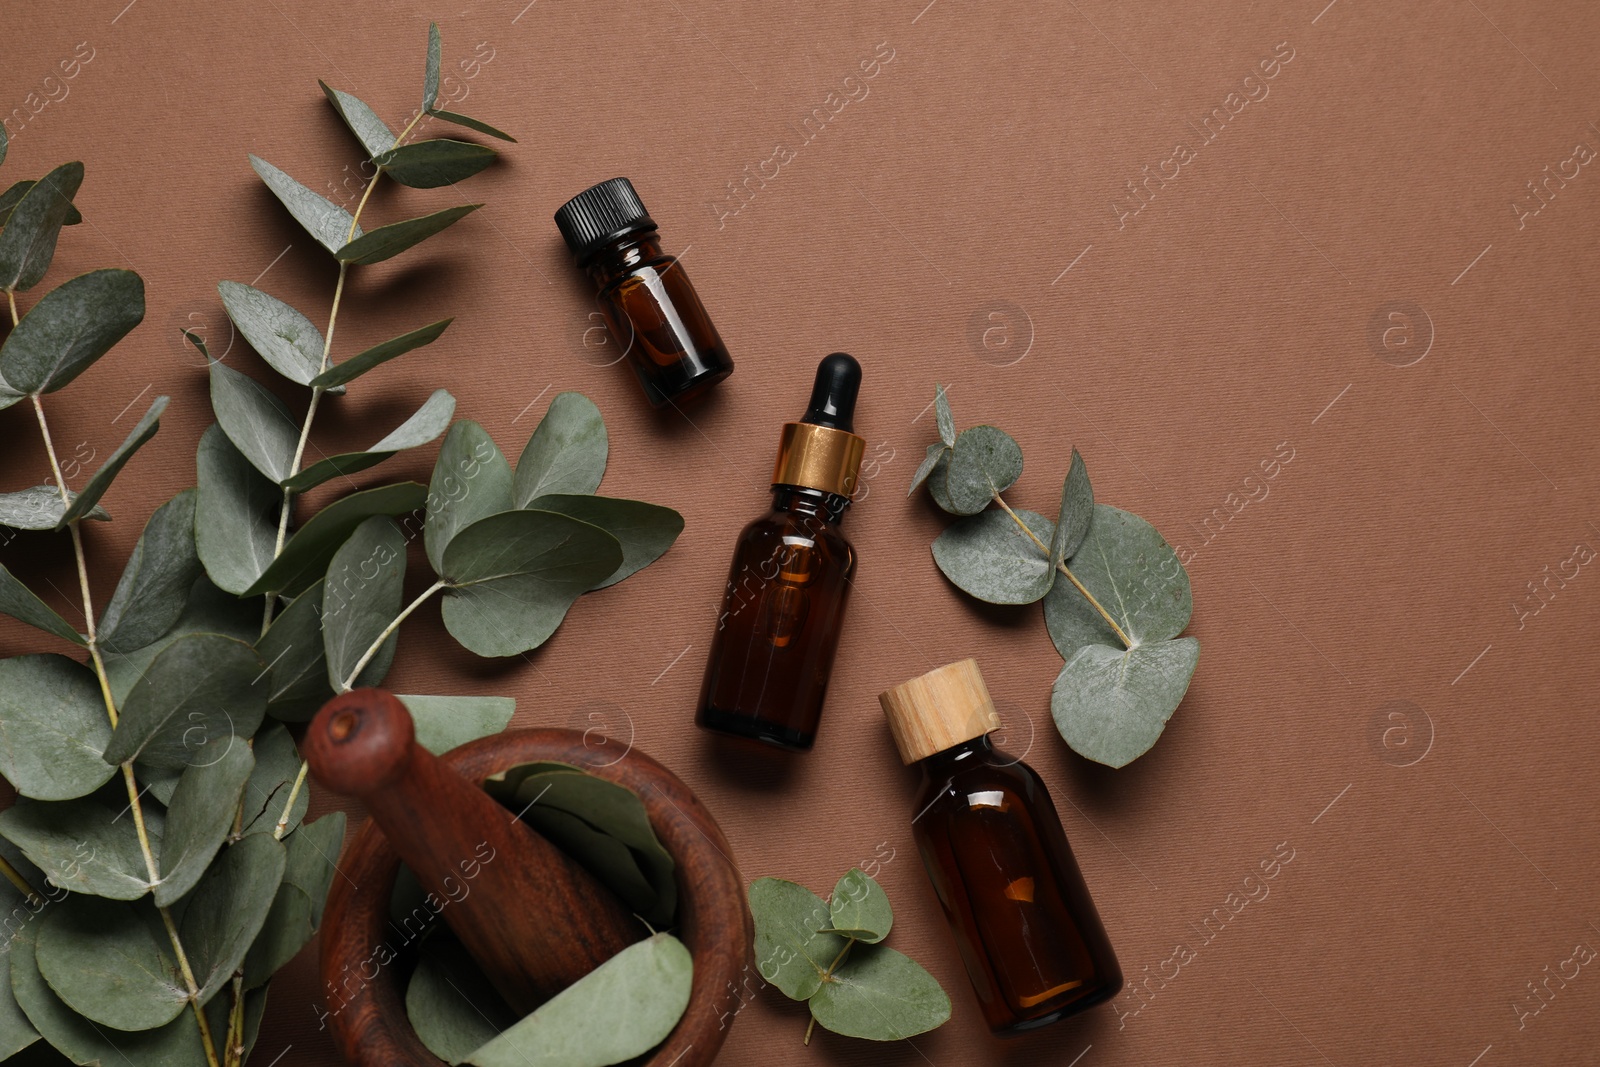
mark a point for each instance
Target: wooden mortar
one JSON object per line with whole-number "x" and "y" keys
{"x": 366, "y": 1008}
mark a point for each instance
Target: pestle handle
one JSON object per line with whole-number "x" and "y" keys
{"x": 533, "y": 919}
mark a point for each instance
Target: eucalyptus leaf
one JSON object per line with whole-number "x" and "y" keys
{"x": 313, "y": 859}
{"x": 1111, "y": 705}
{"x": 430, "y": 69}
{"x": 471, "y": 480}
{"x": 13, "y": 196}
{"x": 614, "y": 864}
{"x": 369, "y": 129}
{"x": 177, "y": 1044}
{"x": 1076, "y": 513}
{"x": 201, "y": 686}
{"x": 1134, "y": 574}
{"x": 989, "y": 556}
{"x": 18, "y": 601}
{"x": 792, "y": 949}
{"x": 16, "y": 1032}
{"x": 930, "y": 460}
{"x": 53, "y": 728}
{"x": 82, "y": 845}
{"x": 89, "y": 496}
{"x": 567, "y": 452}
{"x": 5, "y": 141}
{"x": 513, "y": 576}
{"x": 28, "y": 243}
{"x": 201, "y": 814}
{"x": 266, "y": 794}
{"x": 304, "y": 560}
{"x": 472, "y": 124}
{"x": 282, "y": 336}
{"x": 155, "y": 584}
{"x": 357, "y": 365}
{"x": 641, "y": 992}
{"x": 433, "y": 163}
{"x": 452, "y": 1006}
{"x": 110, "y": 961}
{"x": 943, "y": 416}
{"x": 443, "y": 723}
{"x": 236, "y": 514}
{"x": 859, "y": 908}
{"x": 330, "y": 224}
{"x": 645, "y": 531}
{"x": 361, "y": 596}
{"x": 984, "y": 462}
{"x": 880, "y": 995}
{"x": 385, "y": 242}
{"x": 256, "y": 421}
{"x": 938, "y": 483}
{"x": 424, "y": 425}
{"x": 40, "y": 507}
{"x": 296, "y": 910}
{"x": 229, "y": 907}
{"x": 208, "y": 610}
{"x": 70, "y": 327}
{"x": 297, "y": 665}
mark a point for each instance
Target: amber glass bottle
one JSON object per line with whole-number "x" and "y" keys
{"x": 654, "y": 314}
{"x": 773, "y": 647}
{"x": 998, "y": 858}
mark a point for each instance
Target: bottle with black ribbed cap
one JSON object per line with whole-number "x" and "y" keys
{"x": 653, "y": 313}
{"x": 773, "y": 648}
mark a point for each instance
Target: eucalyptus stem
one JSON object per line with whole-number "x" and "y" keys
{"x": 11, "y": 297}
{"x": 91, "y": 639}
{"x": 827, "y": 976}
{"x": 372, "y": 650}
{"x": 1062, "y": 567}
{"x": 14, "y": 876}
{"x": 233, "y": 1045}
{"x": 294, "y": 794}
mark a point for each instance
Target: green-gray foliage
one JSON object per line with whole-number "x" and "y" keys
{"x": 830, "y": 955}
{"x": 160, "y": 816}
{"x": 1115, "y": 594}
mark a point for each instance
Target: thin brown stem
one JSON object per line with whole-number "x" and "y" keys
{"x": 1062, "y": 567}
{"x": 14, "y": 876}
{"x": 11, "y": 298}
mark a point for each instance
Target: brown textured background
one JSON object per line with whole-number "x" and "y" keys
{"x": 1231, "y": 316}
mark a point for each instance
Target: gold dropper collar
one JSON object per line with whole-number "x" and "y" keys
{"x": 818, "y": 457}
{"x": 939, "y": 710}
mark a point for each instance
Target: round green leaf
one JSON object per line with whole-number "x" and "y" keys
{"x": 389, "y": 241}
{"x": 53, "y": 728}
{"x": 430, "y": 164}
{"x": 297, "y": 909}
{"x": 1133, "y": 573}
{"x": 110, "y": 962}
{"x": 984, "y": 461}
{"x": 443, "y": 723}
{"x": 935, "y": 453}
{"x": 155, "y": 584}
{"x": 28, "y": 243}
{"x": 1112, "y": 705}
{"x": 200, "y": 814}
{"x": 200, "y": 687}
{"x": 645, "y": 531}
{"x": 255, "y": 420}
{"x": 792, "y": 951}
{"x": 361, "y": 596}
{"x": 1077, "y": 511}
{"x": 989, "y": 556}
{"x": 881, "y": 995}
{"x": 16, "y": 1032}
{"x": 567, "y": 452}
{"x": 70, "y": 327}
{"x": 229, "y": 907}
{"x": 289, "y": 342}
{"x": 513, "y": 576}
{"x": 236, "y": 514}
{"x": 277, "y": 767}
{"x": 640, "y": 993}
{"x": 859, "y": 908}
{"x": 297, "y": 666}
{"x": 208, "y": 610}
{"x": 82, "y": 845}
{"x": 452, "y": 1006}
{"x": 471, "y": 480}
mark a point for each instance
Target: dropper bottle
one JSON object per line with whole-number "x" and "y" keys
{"x": 767, "y": 674}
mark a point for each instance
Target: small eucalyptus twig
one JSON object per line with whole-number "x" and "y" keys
{"x": 1062, "y": 567}
{"x": 14, "y": 876}
{"x": 827, "y": 976}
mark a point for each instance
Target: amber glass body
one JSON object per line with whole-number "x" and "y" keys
{"x": 1004, "y": 874}
{"x": 767, "y": 674}
{"x": 657, "y": 319}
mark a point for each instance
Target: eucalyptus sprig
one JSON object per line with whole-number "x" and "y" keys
{"x": 1116, "y": 618}
{"x": 830, "y": 954}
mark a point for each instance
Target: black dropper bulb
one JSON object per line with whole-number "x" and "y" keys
{"x": 833, "y": 397}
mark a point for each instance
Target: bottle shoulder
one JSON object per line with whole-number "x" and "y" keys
{"x": 995, "y": 783}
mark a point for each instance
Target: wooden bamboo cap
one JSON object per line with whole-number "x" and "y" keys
{"x": 939, "y": 710}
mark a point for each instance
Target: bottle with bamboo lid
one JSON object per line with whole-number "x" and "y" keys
{"x": 998, "y": 858}
{"x": 773, "y": 648}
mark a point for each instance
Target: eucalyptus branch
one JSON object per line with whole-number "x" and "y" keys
{"x": 134, "y": 804}
{"x": 1062, "y": 567}
{"x": 372, "y": 650}
{"x": 14, "y": 876}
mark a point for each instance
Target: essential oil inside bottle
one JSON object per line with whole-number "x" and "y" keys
{"x": 993, "y": 846}
{"x": 652, "y": 311}
{"x": 767, "y": 674}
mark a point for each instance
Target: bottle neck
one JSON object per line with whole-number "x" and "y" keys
{"x": 800, "y": 500}
{"x": 623, "y": 254}
{"x": 973, "y": 753}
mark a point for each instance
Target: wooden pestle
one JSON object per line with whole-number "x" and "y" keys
{"x": 533, "y": 919}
